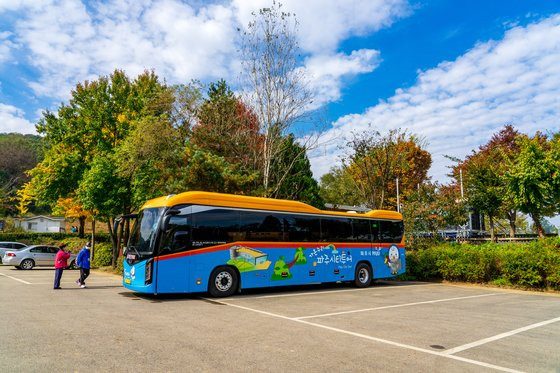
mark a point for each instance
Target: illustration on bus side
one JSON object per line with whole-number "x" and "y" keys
{"x": 393, "y": 260}
{"x": 247, "y": 259}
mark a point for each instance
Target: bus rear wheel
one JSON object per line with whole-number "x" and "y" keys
{"x": 223, "y": 282}
{"x": 363, "y": 276}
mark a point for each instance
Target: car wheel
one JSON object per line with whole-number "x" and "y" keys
{"x": 223, "y": 282}
{"x": 27, "y": 264}
{"x": 363, "y": 275}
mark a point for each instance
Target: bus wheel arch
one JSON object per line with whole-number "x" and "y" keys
{"x": 224, "y": 281}
{"x": 363, "y": 275}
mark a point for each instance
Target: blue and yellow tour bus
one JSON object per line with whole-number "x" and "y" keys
{"x": 222, "y": 243}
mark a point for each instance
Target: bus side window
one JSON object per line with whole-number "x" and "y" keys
{"x": 375, "y": 230}
{"x": 361, "y": 230}
{"x": 214, "y": 226}
{"x": 336, "y": 230}
{"x": 301, "y": 228}
{"x": 391, "y": 231}
{"x": 261, "y": 226}
{"x": 177, "y": 235}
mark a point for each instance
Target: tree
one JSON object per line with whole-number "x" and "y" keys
{"x": 18, "y": 154}
{"x": 375, "y": 161}
{"x": 275, "y": 88}
{"x": 296, "y": 182}
{"x": 491, "y": 161}
{"x": 533, "y": 180}
{"x": 485, "y": 189}
{"x": 228, "y": 128}
{"x": 82, "y": 138}
{"x": 338, "y": 187}
{"x": 70, "y": 208}
{"x": 432, "y": 207}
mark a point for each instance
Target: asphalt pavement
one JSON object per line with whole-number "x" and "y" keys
{"x": 390, "y": 327}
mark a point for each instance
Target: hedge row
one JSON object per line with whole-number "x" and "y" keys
{"x": 32, "y": 238}
{"x": 531, "y": 265}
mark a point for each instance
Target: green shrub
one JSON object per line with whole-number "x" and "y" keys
{"x": 531, "y": 265}
{"x": 34, "y": 238}
{"x": 103, "y": 255}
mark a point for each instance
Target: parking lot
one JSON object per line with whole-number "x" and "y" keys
{"x": 391, "y": 326}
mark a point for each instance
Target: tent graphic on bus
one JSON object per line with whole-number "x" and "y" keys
{"x": 247, "y": 259}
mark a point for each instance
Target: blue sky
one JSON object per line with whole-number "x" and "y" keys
{"x": 452, "y": 72}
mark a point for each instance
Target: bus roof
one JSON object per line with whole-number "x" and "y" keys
{"x": 259, "y": 203}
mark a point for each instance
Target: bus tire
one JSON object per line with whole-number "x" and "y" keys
{"x": 223, "y": 282}
{"x": 363, "y": 276}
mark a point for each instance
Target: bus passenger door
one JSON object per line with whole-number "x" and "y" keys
{"x": 173, "y": 261}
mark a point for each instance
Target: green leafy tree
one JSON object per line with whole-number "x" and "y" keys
{"x": 485, "y": 189}
{"x": 485, "y": 177}
{"x": 534, "y": 178}
{"x": 338, "y": 187}
{"x": 18, "y": 154}
{"x": 85, "y": 133}
{"x": 433, "y": 207}
{"x": 292, "y": 173}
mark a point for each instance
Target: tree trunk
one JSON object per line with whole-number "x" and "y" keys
{"x": 82, "y": 220}
{"x": 92, "y": 238}
{"x": 491, "y": 222}
{"x": 512, "y": 217}
{"x": 118, "y": 246}
{"x": 114, "y": 238}
{"x": 537, "y": 220}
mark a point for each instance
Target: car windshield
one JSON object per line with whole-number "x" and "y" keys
{"x": 144, "y": 231}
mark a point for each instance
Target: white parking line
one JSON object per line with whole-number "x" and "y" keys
{"x": 16, "y": 279}
{"x": 380, "y": 340}
{"x": 311, "y": 292}
{"x": 395, "y": 306}
{"x": 498, "y": 336}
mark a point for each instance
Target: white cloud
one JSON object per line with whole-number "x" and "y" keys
{"x": 326, "y": 72}
{"x": 178, "y": 41}
{"x": 6, "y": 47}
{"x": 458, "y": 105}
{"x": 323, "y": 24}
{"x": 12, "y": 120}
{"x": 66, "y": 42}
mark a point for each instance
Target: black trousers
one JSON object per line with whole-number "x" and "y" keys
{"x": 84, "y": 273}
{"x": 57, "y": 277}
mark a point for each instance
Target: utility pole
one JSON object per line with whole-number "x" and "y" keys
{"x": 461, "y": 178}
{"x": 398, "y": 201}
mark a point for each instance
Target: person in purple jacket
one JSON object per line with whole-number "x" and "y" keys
{"x": 83, "y": 262}
{"x": 60, "y": 262}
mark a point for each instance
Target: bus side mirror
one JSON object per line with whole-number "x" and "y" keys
{"x": 167, "y": 217}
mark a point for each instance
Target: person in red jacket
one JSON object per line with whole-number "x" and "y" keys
{"x": 60, "y": 262}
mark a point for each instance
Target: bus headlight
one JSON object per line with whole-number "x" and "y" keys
{"x": 148, "y": 272}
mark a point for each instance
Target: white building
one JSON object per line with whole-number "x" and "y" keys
{"x": 42, "y": 224}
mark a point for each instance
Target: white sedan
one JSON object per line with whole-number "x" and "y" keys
{"x": 35, "y": 256}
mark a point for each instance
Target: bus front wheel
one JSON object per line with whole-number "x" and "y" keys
{"x": 223, "y": 282}
{"x": 363, "y": 275}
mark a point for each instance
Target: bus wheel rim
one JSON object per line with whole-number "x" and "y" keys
{"x": 364, "y": 275}
{"x": 223, "y": 281}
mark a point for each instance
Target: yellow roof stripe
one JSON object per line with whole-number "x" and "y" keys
{"x": 259, "y": 203}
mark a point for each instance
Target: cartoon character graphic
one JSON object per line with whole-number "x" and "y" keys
{"x": 281, "y": 270}
{"x": 393, "y": 260}
{"x": 299, "y": 256}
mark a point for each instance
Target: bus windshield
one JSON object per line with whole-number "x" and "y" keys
{"x": 144, "y": 231}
